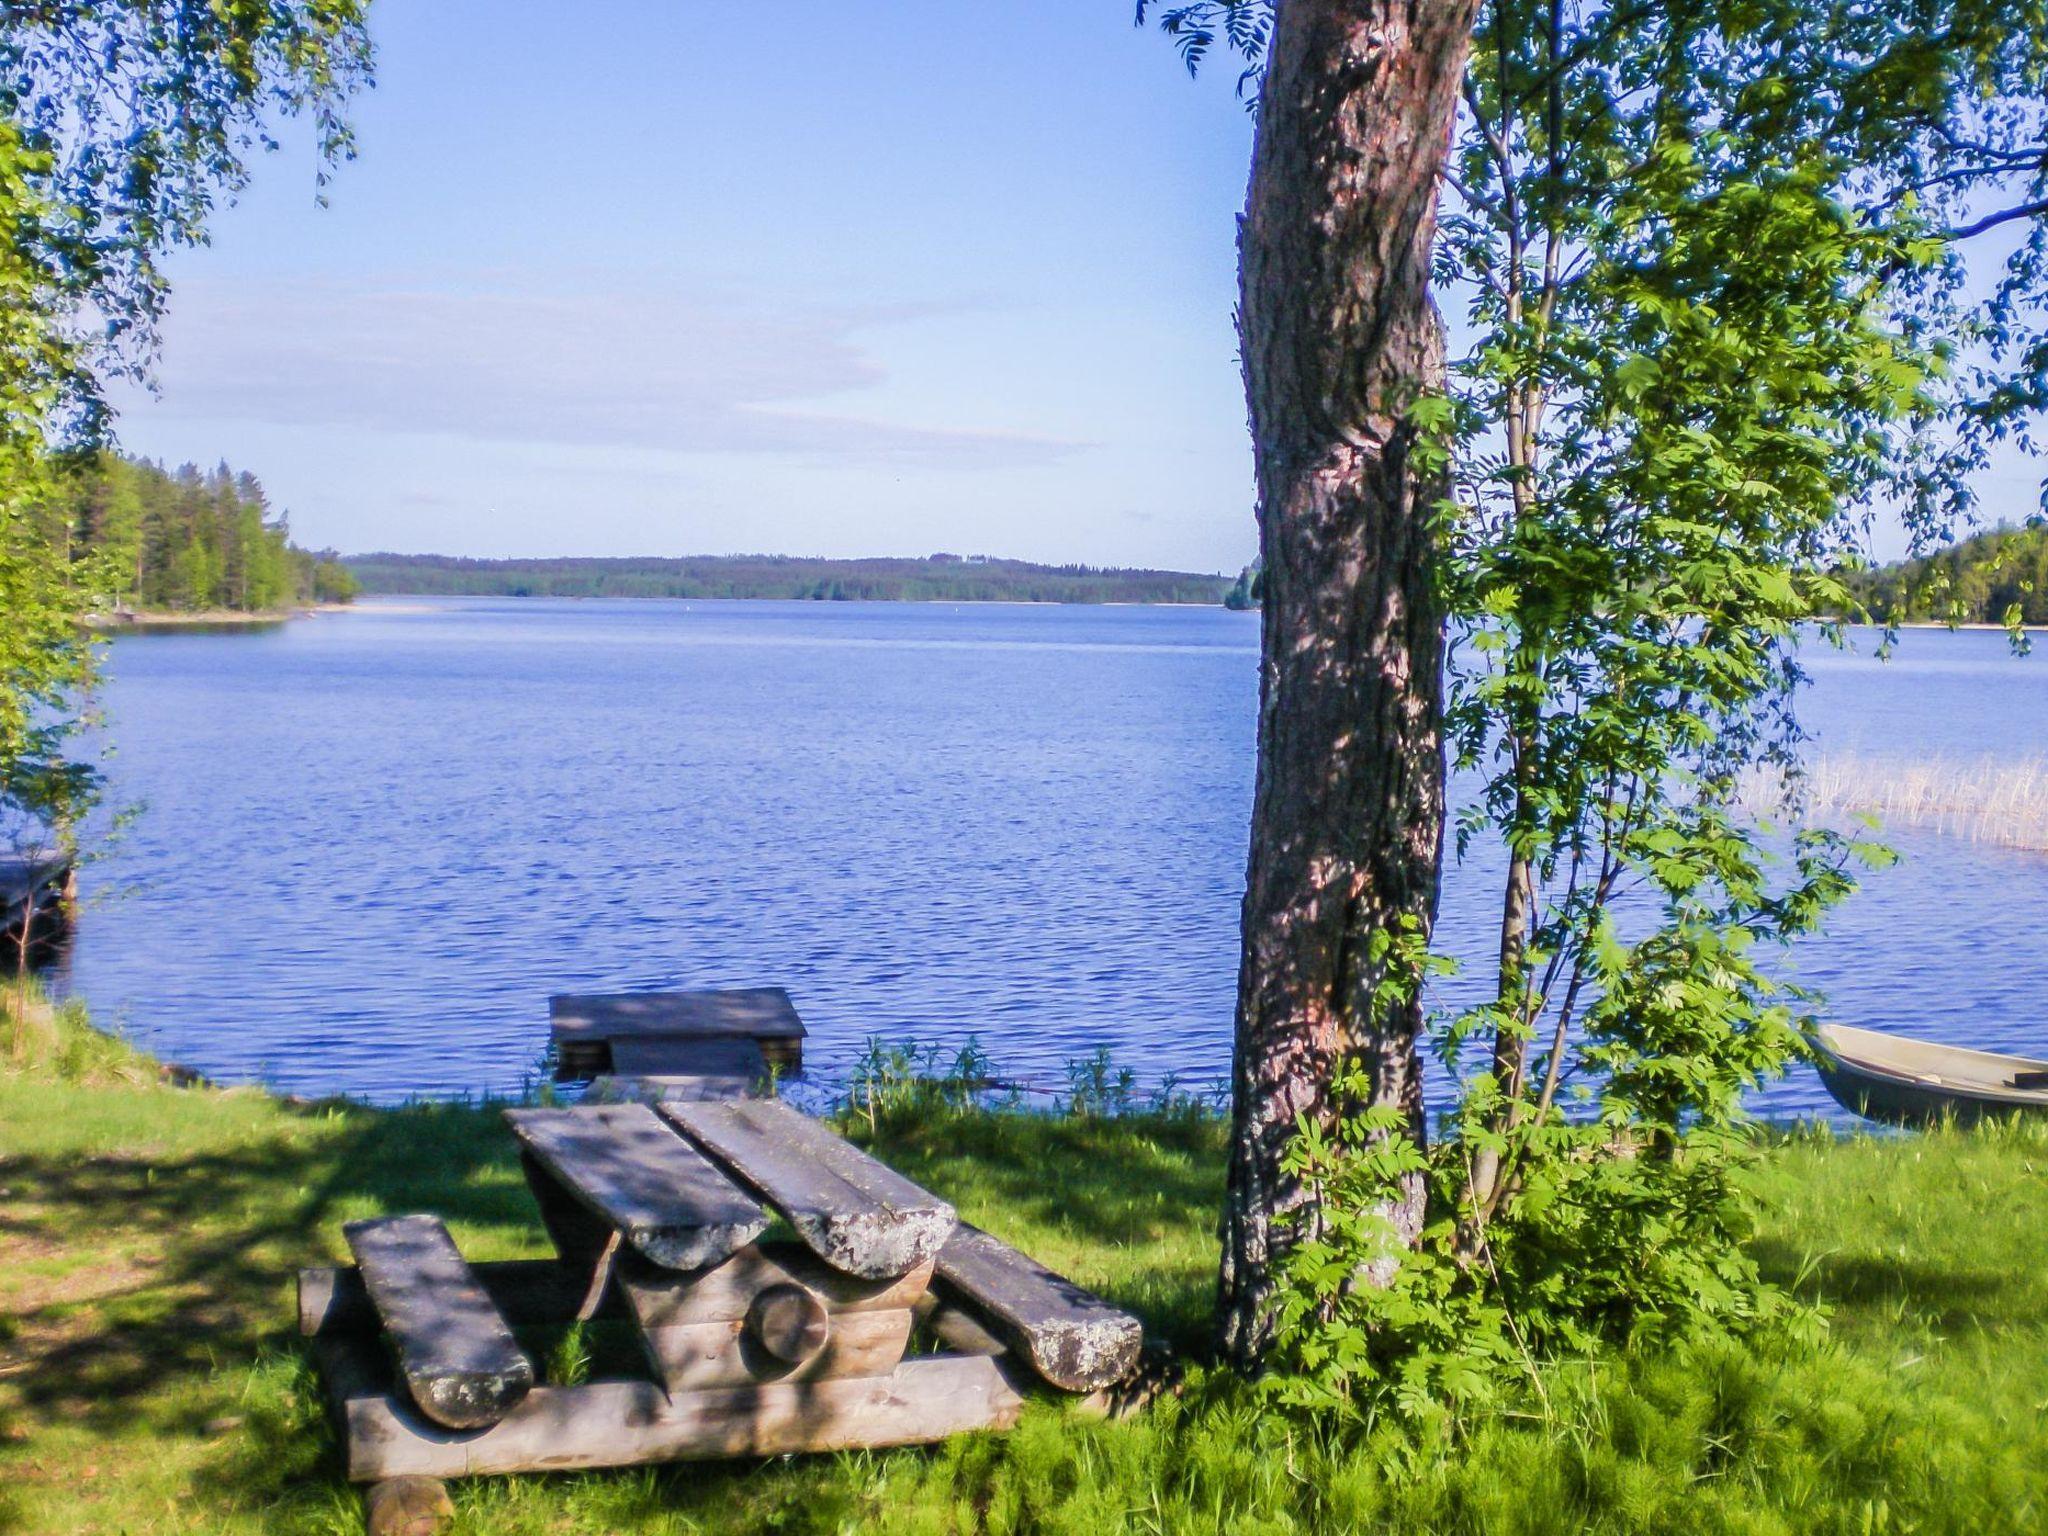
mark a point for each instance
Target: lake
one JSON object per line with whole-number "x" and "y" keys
{"x": 371, "y": 844}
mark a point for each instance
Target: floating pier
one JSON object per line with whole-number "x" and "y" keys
{"x": 676, "y": 1045}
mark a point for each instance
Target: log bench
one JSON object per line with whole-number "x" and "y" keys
{"x": 456, "y": 1353}
{"x": 883, "y": 1320}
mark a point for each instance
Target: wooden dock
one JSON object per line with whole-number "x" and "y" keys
{"x": 666, "y": 1045}
{"x": 35, "y": 894}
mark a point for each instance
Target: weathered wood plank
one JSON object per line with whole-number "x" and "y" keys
{"x": 333, "y": 1299}
{"x": 659, "y": 1298}
{"x": 855, "y": 1213}
{"x": 694, "y": 1356}
{"x": 456, "y": 1355}
{"x": 1069, "y": 1335}
{"x": 628, "y": 1423}
{"x": 637, "y": 1175}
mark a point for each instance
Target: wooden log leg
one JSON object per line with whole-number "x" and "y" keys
{"x": 579, "y": 1237}
{"x": 1157, "y": 1374}
{"x": 407, "y": 1506}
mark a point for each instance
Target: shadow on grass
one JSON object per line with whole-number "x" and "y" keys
{"x": 1938, "y": 1294}
{"x": 163, "y": 1310}
{"x": 170, "y": 1275}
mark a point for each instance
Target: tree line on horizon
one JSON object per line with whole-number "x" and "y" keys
{"x": 934, "y": 578}
{"x": 187, "y": 539}
{"x": 1995, "y": 577}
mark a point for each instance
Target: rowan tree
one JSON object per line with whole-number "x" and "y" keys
{"x": 1737, "y": 278}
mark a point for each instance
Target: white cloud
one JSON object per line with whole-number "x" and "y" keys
{"x": 657, "y": 367}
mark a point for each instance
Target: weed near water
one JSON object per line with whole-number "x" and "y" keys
{"x": 150, "y": 1381}
{"x": 1982, "y": 800}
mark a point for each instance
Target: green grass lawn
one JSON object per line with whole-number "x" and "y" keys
{"x": 150, "y": 1379}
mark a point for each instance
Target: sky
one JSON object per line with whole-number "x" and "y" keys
{"x": 675, "y": 278}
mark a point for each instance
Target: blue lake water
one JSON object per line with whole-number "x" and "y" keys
{"x": 371, "y": 844}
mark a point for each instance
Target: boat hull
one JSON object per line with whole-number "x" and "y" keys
{"x": 1896, "y": 1103}
{"x": 1917, "y": 1083}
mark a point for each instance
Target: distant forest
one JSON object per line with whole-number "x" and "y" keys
{"x": 937, "y": 578}
{"x": 191, "y": 539}
{"x": 1978, "y": 580}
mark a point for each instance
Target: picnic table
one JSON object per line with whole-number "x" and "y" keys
{"x": 881, "y": 1319}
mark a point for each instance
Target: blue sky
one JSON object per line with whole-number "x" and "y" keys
{"x": 680, "y": 278}
{"x": 674, "y": 278}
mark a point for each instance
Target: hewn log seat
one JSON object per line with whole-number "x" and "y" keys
{"x": 333, "y": 1299}
{"x": 456, "y": 1354}
{"x": 1068, "y": 1335}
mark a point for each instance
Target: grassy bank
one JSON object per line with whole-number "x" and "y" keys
{"x": 148, "y": 1380}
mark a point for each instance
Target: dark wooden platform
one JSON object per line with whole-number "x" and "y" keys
{"x": 673, "y": 1033}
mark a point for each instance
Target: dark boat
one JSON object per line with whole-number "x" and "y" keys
{"x": 1916, "y": 1082}
{"x": 35, "y": 900}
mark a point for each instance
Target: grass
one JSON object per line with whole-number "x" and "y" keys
{"x": 1982, "y": 800}
{"x": 149, "y": 1381}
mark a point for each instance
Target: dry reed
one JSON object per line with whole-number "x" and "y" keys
{"x": 1984, "y": 800}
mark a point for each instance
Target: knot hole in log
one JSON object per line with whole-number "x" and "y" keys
{"x": 789, "y": 1323}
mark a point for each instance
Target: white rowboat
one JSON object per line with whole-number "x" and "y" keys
{"x": 1912, "y": 1082}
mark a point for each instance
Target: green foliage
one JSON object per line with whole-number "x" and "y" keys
{"x": 140, "y": 116}
{"x": 58, "y": 1040}
{"x": 151, "y": 1233}
{"x": 1248, "y": 590}
{"x": 1999, "y": 576}
{"x": 937, "y": 578}
{"x": 122, "y": 122}
{"x": 189, "y": 540}
{"x": 45, "y": 657}
{"x": 1715, "y": 267}
{"x": 893, "y": 1083}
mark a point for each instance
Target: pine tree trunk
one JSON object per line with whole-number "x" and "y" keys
{"x": 1339, "y": 338}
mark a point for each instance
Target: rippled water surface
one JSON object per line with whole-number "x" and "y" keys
{"x": 373, "y": 843}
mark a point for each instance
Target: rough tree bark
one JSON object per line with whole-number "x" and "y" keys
{"x": 1339, "y": 337}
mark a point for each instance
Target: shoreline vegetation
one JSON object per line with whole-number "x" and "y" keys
{"x": 186, "y": 544}
{"x": 1998, "y": 801}
{"x": 1989, "y": 579}
{"x": 150, "y": 1378}
{"x": 935, "y": 578}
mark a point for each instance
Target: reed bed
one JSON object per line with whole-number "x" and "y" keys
{"x": 1984, "y": 800}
